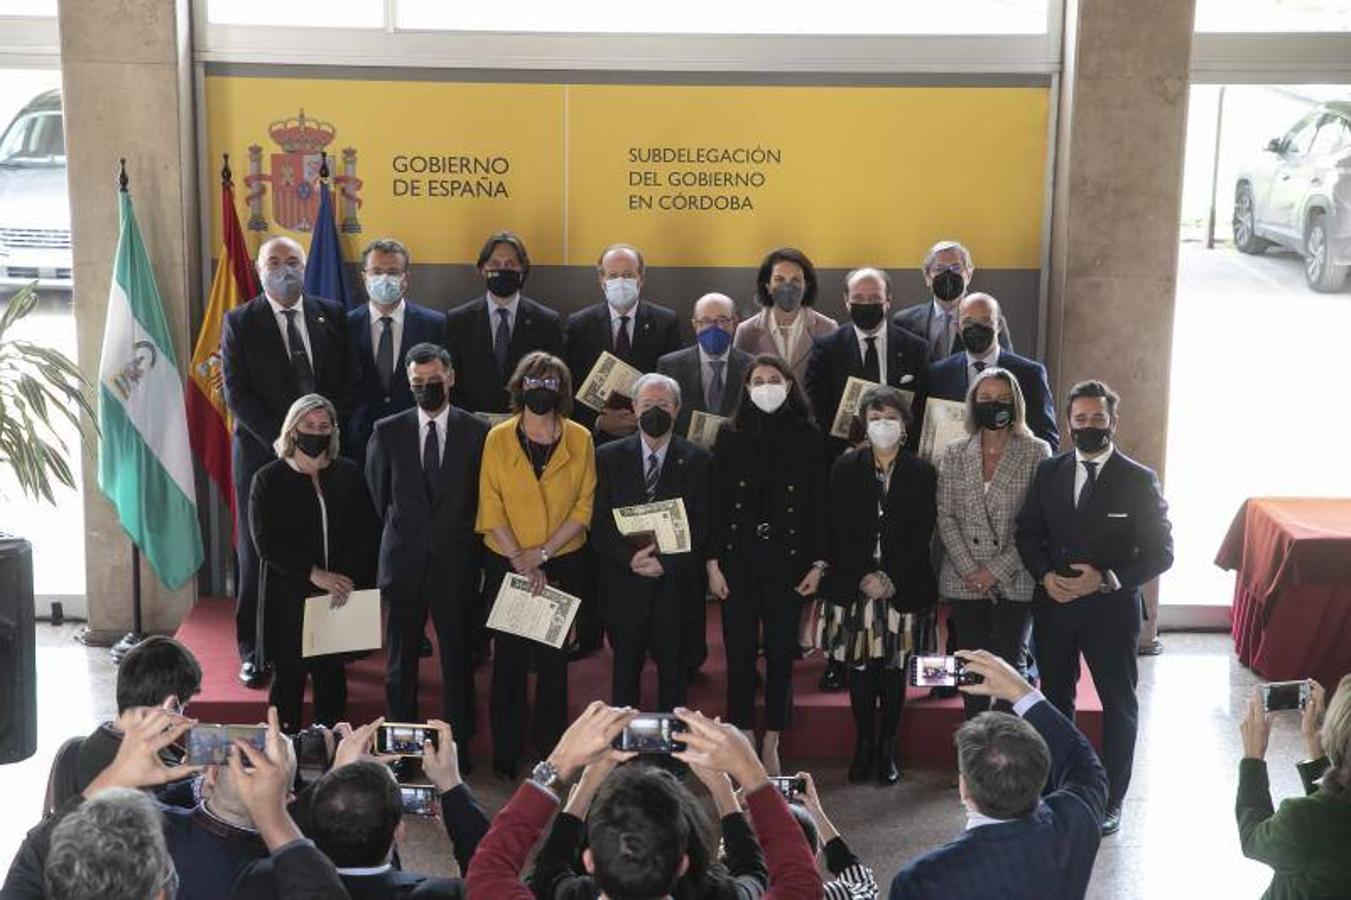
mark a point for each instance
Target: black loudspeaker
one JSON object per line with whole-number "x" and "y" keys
{"x": 18, "y": 656}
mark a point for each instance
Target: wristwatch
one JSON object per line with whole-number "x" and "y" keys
{"x": 545, "y": 775}
{"x": 543, "y": 553}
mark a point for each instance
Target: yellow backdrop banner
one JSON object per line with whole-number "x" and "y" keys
{"x": 693, "y": 175}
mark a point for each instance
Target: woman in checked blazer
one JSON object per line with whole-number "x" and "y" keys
{"x": 981, "y": 484}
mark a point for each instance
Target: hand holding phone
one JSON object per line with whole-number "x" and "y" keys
{"x": 403, "y": 738}
{"x": 940, "y": 671}
{"x": 1278, "y": 696}
{"x": 791, "y": 786}
{"x": 210, "y": 745}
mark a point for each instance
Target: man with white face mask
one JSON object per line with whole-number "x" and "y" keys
{"x": 635, "y": 330}
{"x": 380, "y": 334}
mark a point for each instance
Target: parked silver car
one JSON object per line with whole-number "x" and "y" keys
{"x": 1298, "y": 195}
{"x": 34, "y": 205}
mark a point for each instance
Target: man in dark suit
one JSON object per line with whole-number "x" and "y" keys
{"x": 488, "y": 335}
{"x": 711, "y": 371}
{"x": 868, "y": 347}
{"x": 356, "y": 818}
{"x": 422, "y": 466}
{"x": 647, "y": 596}
{"x": 947, "y": 272}
{"x": 1092, "y": 532}
{"x": 1034, "y": 793}
{"x": 380, "y": 334}
{"x": 274, "y": 349}
{"x": 637, "y": 331}
{"x": 981, "y": 319}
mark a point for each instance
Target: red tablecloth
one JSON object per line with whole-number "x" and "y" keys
{"x": 1292, "y": 597}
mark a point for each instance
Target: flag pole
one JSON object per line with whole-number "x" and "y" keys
{"x": 135, "y": 636}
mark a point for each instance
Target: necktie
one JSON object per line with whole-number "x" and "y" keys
{"x": 384, "y": 353}
{"x": 653, "y": 474}
{"x": 431, "y": 454}
{"x": 943, "y": 342}
{"x": 716, "y": 386}
{"x": 872, "y": 366}
{"x": 979, "y": 366}
{"x": 1086, "y": 493}
{"x": 300, "y": 360}
{"x": 502, "y": 342}
{"x": 622, "y": 343}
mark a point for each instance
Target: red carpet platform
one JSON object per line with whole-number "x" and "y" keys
{"x": 822, "y": 727}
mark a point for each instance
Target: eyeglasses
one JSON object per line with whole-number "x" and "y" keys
{"x": 529, "y": 383}
{"x": 937, "y": 269}
{"x": 720, "y": 321}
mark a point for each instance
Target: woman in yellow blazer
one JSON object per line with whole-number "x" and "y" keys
{"x": 536, "y": 487}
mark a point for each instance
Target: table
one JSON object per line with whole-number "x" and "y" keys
{"x": 1292, "y": 598}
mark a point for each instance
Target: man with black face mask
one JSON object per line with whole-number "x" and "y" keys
{"x": 422, "y": 466}
{"x": 488, "y": 335}
{"x": 979, "y": 318}
{"x": 274, "y": 349}
{"x": 867, "y": 347}
{"x": 1092, "y": 532}
{"x": 947, "y": 272}
{"x": 645, "y": 596}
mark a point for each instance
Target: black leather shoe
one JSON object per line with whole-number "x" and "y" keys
{"x": 832, "y": 679}
{"x": 253, "y": 676}
{"x": 1111, "y": 823}
{"x": 887, "y": 773}
{"x": 424, "y": 649}
{"x": 861, "y": 766}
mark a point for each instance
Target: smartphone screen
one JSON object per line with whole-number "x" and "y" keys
{"x": 211, "y": 745}
{"x": 418, "y": 799}
{"x": 651, "y": 733}
{"x": 940, "y": 671}
{"x": 403, "y": 739}
{"x": 1282, "y": 695}
{"x": 789, "y": 786}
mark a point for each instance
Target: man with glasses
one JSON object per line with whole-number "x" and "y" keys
{"x": 710, "y": 371}
{"x": 947, "y": 269}
{"x": 1092, "y": 532}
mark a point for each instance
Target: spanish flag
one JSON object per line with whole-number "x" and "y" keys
{"x": 235, "y": 282}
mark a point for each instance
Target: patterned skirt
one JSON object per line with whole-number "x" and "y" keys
{"x": 864, "y": 629}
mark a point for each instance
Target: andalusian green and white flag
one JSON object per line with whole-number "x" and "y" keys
{"x": 145, "y": 460}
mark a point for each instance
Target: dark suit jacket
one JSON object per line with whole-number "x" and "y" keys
{"x": 626, "y": 598}
{"x": 1125, "y": 527}
{"x": 906, "y": 528}
{"x": 836, "y": 356}
{"x": 948, "y": 381}
{"x": 426, "y": 528}
{"x": 371, "y": 402}
{"x": 1046, "y": 855}
{"x": 479, "y": 387}
{"x": 915, "y": 319}
{"x": 684, "y": 367}
{"x": 588, "y": 332}
{"x": 260, "y": 384}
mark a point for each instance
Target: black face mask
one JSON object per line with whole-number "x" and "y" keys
{"x": 541, "y": 401}
{"x": 655, "y": 421}
{"x": 1091, "y": 440}
{"x": 504, "y": 282}
{"x": 866, "y": 316}
{"x": 977, "y": 337}
{"x": 430, "y": 395}
{"x": 994, "y": 415}
{"x": 313, "y": 445}
{"x": 948, "y": 286}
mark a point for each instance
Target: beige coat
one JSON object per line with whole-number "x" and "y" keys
{"x": 755, "y": 337}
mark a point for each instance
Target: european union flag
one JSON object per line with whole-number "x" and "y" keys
{"x": 325, "y": 275}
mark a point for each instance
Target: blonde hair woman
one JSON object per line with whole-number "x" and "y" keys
{"x": 312, "y": 522}
{"x": 981, "y": 485}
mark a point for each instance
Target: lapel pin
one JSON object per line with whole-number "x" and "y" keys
{"x": 321, "y": 318}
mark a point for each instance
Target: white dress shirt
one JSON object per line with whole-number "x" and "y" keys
{"x": 278, "y": 315}
{"x": 880, "y": 338}
{"x": 494, "y": 304}
{"x": 395, "y": 329}
{"x": 645, "y": 444}
{"x": 615, "y": 324}
{"x": 1080, "y": 479}
{"x": 442, "y": 420}
{"x": 991, "y": 358}
{"x": 706, "y": 369}
{"x": 785, "y": 341}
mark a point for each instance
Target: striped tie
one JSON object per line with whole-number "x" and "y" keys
{"x": 653, "y": 474}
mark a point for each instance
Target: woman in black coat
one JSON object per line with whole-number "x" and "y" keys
{"x": 882, "y": 513}
{"x": 312, "y": 521}
{"x": 768, "y": 543}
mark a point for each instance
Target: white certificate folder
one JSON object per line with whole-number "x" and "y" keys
{"x": 349, "y": 628}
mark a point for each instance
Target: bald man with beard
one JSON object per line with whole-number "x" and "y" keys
{"x": 276, "y": 348}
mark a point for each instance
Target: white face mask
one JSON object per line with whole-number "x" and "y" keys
{"x": 885, "y": 433}
{"x": 384, "y": 289}
{"x": 769, "y": 397}
{"x": 621, "y": 293}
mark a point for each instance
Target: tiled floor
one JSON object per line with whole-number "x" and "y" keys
{"x": 1178, "y": 840}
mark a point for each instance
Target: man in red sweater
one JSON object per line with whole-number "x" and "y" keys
{"x": 637, "y": 846}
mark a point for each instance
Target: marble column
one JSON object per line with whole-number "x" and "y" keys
{"x": 126, "y": 74}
